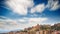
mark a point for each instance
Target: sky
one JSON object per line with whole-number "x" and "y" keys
{"x": 20, "y": 14}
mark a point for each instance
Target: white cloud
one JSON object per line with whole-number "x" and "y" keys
{"x": 34, "y": 21}
{"x": 20, "y": 6}
{"x": 28, "y": 22}
{"x": 9, "y": 24}
{"x": 53, "y": 5}
{"x": 39, "y": 8}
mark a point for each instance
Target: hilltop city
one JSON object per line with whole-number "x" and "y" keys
{"x": 39, "y": 29}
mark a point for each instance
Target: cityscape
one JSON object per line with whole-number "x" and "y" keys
{"x": 39, "y": 29}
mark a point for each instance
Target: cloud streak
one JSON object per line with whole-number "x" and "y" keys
{"x": 10, "y": 24}
{"x": 39, "y": 8}
{"x": 53, "y": 5}
{"x": 20, "y": 6}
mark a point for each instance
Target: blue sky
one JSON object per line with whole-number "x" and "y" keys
{"x": 27, "y": 13}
